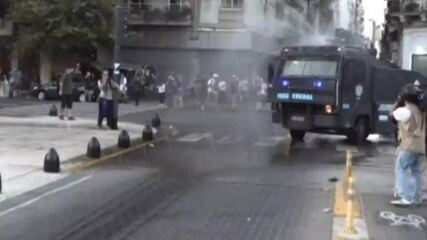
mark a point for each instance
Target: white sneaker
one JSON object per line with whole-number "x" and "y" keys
{"x": 401, "y": 202}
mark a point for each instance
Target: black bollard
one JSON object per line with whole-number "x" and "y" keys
{"x": 156, "y": 122}
{"x": 53, "y": 111}
{"x": 124, "y": 139}
{"x": 147, "y": 133}
{"x": 51, "y": 162}
{"x": 94, "y": 148}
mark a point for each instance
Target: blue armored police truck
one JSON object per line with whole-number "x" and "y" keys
{"x": 335, "y": 90}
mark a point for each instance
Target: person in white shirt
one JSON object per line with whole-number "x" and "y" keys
{"x": 411, "y": 120}
{"x": 161, "y": 88}
{"x": 262, "y": 94}
{"x": 212, "y": 84}
{"x": 222, "y": 92}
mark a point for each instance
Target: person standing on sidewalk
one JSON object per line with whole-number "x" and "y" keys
{"x": 14, "y": 81}
{"x": 412, "y": 126}
{"x": 234, "y": 91}
{"x": 115, "y": 87}
{"x": 222, "y": 92}
{"x": 138, "y": 85}
{"x": 212, "y": 89}
{"x": 161, "y": 89}
{"x": 243, "y": 90}
{"x": 66, "y": 87}
{"x": 105, "y": 101}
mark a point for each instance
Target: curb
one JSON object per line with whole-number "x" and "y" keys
{"x": 108, "y": 154}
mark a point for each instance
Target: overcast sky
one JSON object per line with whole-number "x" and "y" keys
{"x": 374, "y": 9}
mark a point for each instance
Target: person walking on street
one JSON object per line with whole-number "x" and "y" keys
{"x": 412, "y": 126}
{"x": 66, "y": 87}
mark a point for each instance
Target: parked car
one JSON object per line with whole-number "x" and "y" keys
{"x": 50, "y": 91}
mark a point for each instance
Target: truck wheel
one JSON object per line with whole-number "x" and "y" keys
{"x": 297, "y": 135}
{"x": 359, "y": 132}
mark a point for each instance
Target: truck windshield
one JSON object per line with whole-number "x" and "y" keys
{"x": 321, "y": 68}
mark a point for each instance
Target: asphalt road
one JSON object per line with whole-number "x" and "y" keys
{"x": 213, "y": 181}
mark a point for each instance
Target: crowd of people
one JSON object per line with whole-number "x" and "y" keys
{"x": 205, "y": 91}
{"x": 10, "y": 82}
{"x": 211, "y": 91}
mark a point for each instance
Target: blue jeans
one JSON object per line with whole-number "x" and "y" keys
{"x": 409, "y": 176}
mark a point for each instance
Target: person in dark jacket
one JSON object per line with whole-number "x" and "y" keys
{"x": 106, "y": 99}
{"x": 138, "y": 83}
{"x": 66, "y": 87}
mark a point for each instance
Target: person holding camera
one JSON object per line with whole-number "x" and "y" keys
{"x": 411, "y": 121}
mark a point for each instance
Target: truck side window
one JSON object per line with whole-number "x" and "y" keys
{"x": 354, "y": 73}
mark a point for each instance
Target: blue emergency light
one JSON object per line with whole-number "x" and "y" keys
{"x": 318, "y": 83}
{"x": 285, "y": 83}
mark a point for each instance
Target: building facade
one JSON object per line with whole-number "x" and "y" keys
{"x": 404, "y": 39}
{"x": 224, "y": 36}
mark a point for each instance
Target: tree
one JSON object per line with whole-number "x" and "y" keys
{"x": 63, "y": 25}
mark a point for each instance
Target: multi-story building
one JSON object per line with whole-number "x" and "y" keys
{"x": 224, "y": 36}
{"x": 193, "y": 37}
{"x": 404, "y": 39}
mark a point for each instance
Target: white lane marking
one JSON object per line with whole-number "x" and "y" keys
{"x": 269, "y": 141}
{"x": 31, "y": 201}
{"x": 229, "y": 140}
{"x": 397, "y": 220}
{"x": 195, "y": 137}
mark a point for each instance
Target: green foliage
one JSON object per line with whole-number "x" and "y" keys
{"x": 64, "y": 24}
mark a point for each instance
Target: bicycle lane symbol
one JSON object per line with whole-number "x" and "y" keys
{"x": 409, "y": 220}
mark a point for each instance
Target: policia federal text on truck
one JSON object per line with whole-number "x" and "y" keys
{"x": 337, "y": 90}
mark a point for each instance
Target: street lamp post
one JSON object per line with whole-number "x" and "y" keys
{"x": 118, "y": 37}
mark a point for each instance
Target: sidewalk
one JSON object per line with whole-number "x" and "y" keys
{"x": 27, "y": 133}
{"x": 375, "y": 179}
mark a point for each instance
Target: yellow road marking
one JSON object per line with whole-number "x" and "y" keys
{"x": 90, "y": 162}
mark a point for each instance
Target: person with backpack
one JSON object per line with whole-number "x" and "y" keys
{"x": 411, "y": 120}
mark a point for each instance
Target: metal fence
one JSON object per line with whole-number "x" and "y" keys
{"x": 160, "y": 11}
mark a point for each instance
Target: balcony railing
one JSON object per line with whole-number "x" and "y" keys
{"x": 407, "y": 7}
{"x": 160, "y": 14}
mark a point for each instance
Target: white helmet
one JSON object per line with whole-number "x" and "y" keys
{"x": 215, "y": 75}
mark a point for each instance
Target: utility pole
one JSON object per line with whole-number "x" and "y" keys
{"x": 119, "y": 28}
